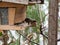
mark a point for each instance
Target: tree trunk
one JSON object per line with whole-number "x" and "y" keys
{"x": 53, "y": 22}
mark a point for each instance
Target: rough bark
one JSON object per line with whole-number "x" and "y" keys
{"x": 53, "y": 22}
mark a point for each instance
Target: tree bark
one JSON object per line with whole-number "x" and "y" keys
{"x": 53, "y": 22}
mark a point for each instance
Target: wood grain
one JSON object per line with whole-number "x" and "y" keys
{"x": 20, "y": 14}
{"x": 11, "y": 15}
{"x": 7, "y": 4}
{"x": 9, "y": 27}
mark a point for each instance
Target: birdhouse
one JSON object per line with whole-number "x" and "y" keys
{"x": 16, "y": 12}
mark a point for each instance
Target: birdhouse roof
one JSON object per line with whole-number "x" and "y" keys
{"x": 18, "y": 3}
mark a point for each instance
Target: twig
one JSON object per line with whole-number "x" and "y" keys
{"x": 44, "y": 36}
{"x": 29, "y": 40}
{"x": 41, "y": 32}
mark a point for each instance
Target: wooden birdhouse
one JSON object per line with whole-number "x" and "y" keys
{"x": 16, "y": 12}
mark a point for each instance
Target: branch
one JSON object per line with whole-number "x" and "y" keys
{"x": 28, "y": 39}
{"x": 44, "y": 35}
{"x": 41, "y": 32}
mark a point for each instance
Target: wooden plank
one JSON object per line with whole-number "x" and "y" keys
{"x": 11, "y": 15}
{"x": 6, "y": 4}
{"x": 20, "y": 14}
{"x": 17, "y": 1}
{"x": 53, "y": 22}
{"x": 9, "y": 27}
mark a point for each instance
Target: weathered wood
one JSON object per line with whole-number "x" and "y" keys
{"x": 16, "y": 1}
{"x": 20, "y": 14}
{"x": 6, "y": 4}
{"x": 53, "y": 22}
{"x": 9, "y": 27}
{"x": 11, "y": 15}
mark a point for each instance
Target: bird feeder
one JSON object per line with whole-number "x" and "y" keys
{"x": 16, "y": 12}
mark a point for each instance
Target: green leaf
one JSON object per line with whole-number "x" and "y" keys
{"x": 1, "y": 34}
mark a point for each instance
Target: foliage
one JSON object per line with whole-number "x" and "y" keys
{"x": 1, "y": 34}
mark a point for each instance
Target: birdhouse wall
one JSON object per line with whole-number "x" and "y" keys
{"x": 16, "y": 15}
{"x": 4, "y": 22}
{"x": 20, "y": 14}
{"x": 12, "y": 15}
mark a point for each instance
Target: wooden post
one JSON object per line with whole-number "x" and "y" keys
{"x": 53, "y": 22}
